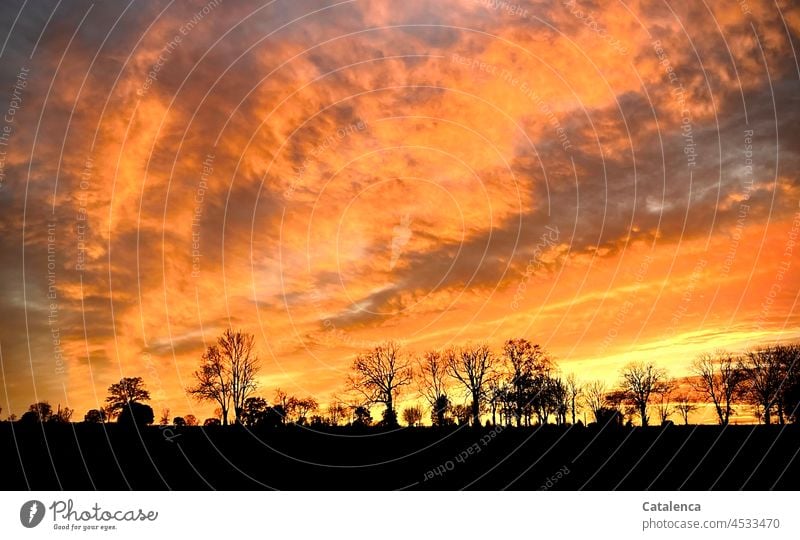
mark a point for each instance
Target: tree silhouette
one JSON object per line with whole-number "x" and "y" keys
{"x": 128, "y": 390}
{"x": 529, "y": 365}
{"x": 639, "y": 382}
{"x": 302, "y": 407}
{"x": 541, "y": 399}
{"x": 191, "y": 420}
{"x": 619, "y": 400}
{"x": 237, "y": 349}
{"x": 179, "y": 421}
{"x": 135, "y": 413}
{"x": 412, "y": 415}
{"x": 608, "y": 416}
{"x": 595, "y": 393}
{"x": 507, "y": 403}
{"x": 254, "y": 411}
{"x": 110, "y": 413}
{"x": 389, "y": 418}
{"x": 164, "y": 420}
{"x": 719, "y": 381}
{"x": 495, "y": 396}
{"x": 227, "y": 373}
{"x": 62, "y": 415}
{"x": 664, "y": 405}
{"x": 432, "y": 375}
{"x": 441, "y": 411}
{"x": 574, "y": 394}
{"x": 95, "y": 416}
{"x": 763, "y": 379}
{"x": 41, "y": 411}
{"x": 30, "y": 417}
{"x": 284, "y": 403}
{"x": 379, "y": 374}
{"x": 472, "y": 366}
{"x": 790, "y": 390}
{"x": 211, "y": 422}
{"x": 213, "y": 381}
{"x": 275, "y": 416}
{"x": 317, "y": 421}
{"x": 684, "y": 407}
{"x": 789, "y": 400}
{"x": 559, "y": 397}
{"x": 362, "y": 416}
{"x": 462, "y": 414}
{"x": 337, "y": 413}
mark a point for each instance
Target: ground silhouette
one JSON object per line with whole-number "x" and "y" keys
{"x": 110, "y": 456}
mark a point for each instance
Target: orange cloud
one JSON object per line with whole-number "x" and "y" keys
{"x": 330, "y": 176}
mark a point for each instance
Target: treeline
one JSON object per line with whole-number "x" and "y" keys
{"x": 519, "y": 385}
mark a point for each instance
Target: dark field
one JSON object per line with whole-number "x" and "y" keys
{"x": 90, "y": 456}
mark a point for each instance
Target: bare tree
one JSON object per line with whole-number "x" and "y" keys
{"x": 559, "y": 395}
{"x": 595, "y": 393}
{"x": 789, "y": 402}
{"x": 472, "y": 366}
{"x": 664, "y": 404}
{"x": 379, "y": 374}
{"x": 337, "y": 412}
{"x": 284, "y": 404}
{"x": 619, "y": 401}
{"x": 574, "y": 394}
{"x": 237, "y": 350}
{"x": 164, "y": 420}
{"x": 462, "y": 414}
{"x": 302, "y": 407}
{"x": 684, "y": 407}
{"x": 432, "y": 375}
{"x": 639, "y": 382}
{"x": 412, "y": 415}
{"x": 496, "y": 395}
{"x": 213, "y": 381}
{"x": 227, "y": 373}
{"x": 62, "y": 415}
{"x": 719, "y": 382}
{"x": 763, "y": 378}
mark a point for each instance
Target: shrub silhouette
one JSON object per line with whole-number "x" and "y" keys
{"x": 608, "y": 416}
{"x": 363, "y": 417}
{"x": 94, "y": 416}
{"x": 29, "y": 417}
{"x": 136, "y": 414}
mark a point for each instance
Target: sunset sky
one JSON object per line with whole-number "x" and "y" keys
{"x": 615, "y": 182}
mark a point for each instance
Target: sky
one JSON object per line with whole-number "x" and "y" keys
{"x": 615, "y": 181}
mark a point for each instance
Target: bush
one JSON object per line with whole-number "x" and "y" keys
{"x": 136, "y": 414}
